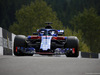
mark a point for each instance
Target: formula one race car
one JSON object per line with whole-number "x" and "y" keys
{"x": 46, "y": 42}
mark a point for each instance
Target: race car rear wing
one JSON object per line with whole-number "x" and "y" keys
{"x": 60, "y": 32}
{"x": 35, "y": 33}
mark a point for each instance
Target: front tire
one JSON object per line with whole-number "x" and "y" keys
{"x": 72, "y": 42}
{"x": 19, "y": 41}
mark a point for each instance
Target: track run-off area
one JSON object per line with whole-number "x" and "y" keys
{"x": 48, "y": 65}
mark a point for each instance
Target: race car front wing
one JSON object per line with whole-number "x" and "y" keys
{"x": 57, "y": 51}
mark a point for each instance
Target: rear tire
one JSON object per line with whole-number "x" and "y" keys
{"x": 19, "y": 41}
{"x": 72, "y": 42}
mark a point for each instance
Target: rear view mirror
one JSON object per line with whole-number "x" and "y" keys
{"x": 60, "y": 32}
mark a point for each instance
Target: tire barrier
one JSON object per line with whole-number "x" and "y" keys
{"x": 94, "y": 55}
{"x": 89, "y": 55}
{"x": 85, "y": 55}
{"x": 7, "y": 42}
